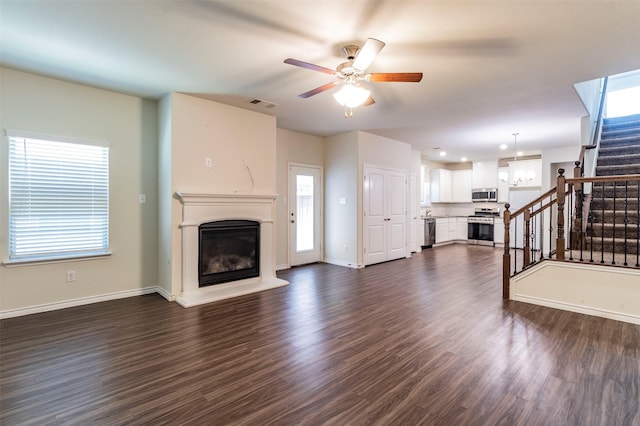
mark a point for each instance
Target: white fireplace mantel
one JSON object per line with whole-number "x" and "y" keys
{"x": 202, "y": 208}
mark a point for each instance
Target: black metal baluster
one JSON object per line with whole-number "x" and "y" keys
{"x": 638, "y": 225}
{"x": 541, "y": 233}
{"x": 570, "y": 221}
{"x": 626, "y": 218}
{"x": 613, "y": 243}
{"x": 602, "y": 230}
{"x": 550, "y": 231}
{"x": 591, "y": 218}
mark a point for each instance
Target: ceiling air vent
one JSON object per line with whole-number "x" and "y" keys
{"x": 263, "y": 103}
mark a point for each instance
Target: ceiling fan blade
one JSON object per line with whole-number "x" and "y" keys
{"x": 317, "y": 90}
{"x": 309, "y": 66}
{"x": 369, "y": 101}
{"x": 367, "y": 54}
{"x": 408, "y": 77}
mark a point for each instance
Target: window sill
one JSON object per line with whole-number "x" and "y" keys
{"x": 31, "y": 261}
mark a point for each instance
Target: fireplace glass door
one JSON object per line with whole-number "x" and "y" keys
{"x": 229, "y": 250}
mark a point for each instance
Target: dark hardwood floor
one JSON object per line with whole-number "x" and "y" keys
{"x": 425, "y": 340}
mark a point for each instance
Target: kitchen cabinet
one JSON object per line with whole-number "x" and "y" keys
{"x": 462, "y": 186}
{"x": 442, "y": 229}
{"x": 503, "y": 184}
{"x": 498, "y": 231}
{"x": 441, "y": 184}
{"x": 385, "y": 215}
{"x": 485, "y": 174}
{"x": 461, "y": 228}
{"x": 451, "y": 186}
{"x": 446, "y": 229}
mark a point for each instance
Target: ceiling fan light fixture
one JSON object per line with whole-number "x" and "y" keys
{"x": 351, "y": 95}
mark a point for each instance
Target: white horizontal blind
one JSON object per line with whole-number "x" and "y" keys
{"x": 58, "y": 199}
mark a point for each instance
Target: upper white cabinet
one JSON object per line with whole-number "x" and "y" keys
{"x": 462, "y": 186}
{"x": 525, "y": 173}
{"x": 503, "y": 185}
{"x": 485, "y": 174}
{"x": 441, "y": 186}
{"x": 451, "y": 186}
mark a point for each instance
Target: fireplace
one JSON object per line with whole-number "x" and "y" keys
{"x": 217, "y": 217}
{"x": 229, "y": 250}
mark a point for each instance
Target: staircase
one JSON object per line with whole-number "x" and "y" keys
{"x": 614, "y": 208}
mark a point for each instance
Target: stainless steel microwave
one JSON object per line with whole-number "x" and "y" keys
{"x": 484, "y": 194}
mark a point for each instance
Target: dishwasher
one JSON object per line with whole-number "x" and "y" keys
{"x": 429, "y": 232}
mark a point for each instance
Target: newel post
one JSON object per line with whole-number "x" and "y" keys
{"x": 506, "y": 257}
{"x": 561, "y": 195}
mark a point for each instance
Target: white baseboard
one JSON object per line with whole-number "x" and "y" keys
{"x": 164, "y": 293}
{"x": 342, "y": 263}
{"x": 282, "y": 267}
{"x": 602, "y": 313}
{"x": 82, "y": 301}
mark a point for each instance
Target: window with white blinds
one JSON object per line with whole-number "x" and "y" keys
{"x": 58, "y": 199}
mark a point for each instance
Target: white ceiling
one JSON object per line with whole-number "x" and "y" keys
{"x": 490, "y": 67}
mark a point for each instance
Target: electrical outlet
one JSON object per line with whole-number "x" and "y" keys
{"x": 208, "y": 162}
{"x": 71, "y": 276}
{"x": 142, "y": 198}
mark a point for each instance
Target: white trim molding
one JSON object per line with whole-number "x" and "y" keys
{"x": 601, "y": 291}
{"x": 202, "y": 208}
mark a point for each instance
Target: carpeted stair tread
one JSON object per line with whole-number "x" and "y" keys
{"x": 612, "y": 160}
{"x": 618, "y": 169}
{"x": 610, "y": 245}
{"x": 617, "y": 150}
{"x": 621, "y": 140}
{"x": 630, "y": 231}
{"x": 631, "y": 217}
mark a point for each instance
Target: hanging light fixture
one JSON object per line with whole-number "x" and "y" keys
{"x": 520, "y": 177}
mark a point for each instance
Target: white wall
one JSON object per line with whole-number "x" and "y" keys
{"x": 291, "y": 147}
{"x": 341, "y": 201}
{"x": 129, "y": 124}
{"x": 557, "y": 155}
{"x": 166, "y": 274}
{"x": 590, "y": 289}
{"x": 241, "y": 145}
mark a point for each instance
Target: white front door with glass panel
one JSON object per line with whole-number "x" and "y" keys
{"x": 305, "y": 206}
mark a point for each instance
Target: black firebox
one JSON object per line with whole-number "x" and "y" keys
{"x": 229, "y": 250}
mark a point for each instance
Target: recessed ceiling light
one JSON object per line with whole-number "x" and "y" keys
{"x": 463, "y": 159}
{"x": 503, "y": 146}
{"x": 443, "y": 153}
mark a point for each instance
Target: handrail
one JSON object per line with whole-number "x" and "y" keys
{"x": 603, "y": 96}
{"x": 595, "y": 179}
{"x": 532, "y": 203}
{"x": 540, "y": 210}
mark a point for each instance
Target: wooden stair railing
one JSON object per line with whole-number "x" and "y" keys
{"x": 567, "y": 192}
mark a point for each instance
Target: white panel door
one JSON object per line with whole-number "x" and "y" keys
{"x": 305, "y": 207}
{"x": 396, "y": 190}
{"x": 385, "y": 215}
{"x": 413, "y": 213}
{"x": 374, "y": 217}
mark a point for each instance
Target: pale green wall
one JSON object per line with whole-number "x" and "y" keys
{"x": 129, "y": 124}
{"x": 292, "y": 147}
{"x": 341, "y": 182}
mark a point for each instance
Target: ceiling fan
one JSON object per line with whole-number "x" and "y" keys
{"x": 350, "y": 73}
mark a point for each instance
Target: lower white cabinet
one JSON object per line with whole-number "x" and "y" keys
{"x": 461, "y": 228}
{"x": 442, "y": 229}
{"x": 450, "y": 229}
{"x": 498, "y": 231}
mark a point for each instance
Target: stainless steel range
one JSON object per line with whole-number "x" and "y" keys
{"x": 480, "y": 226}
